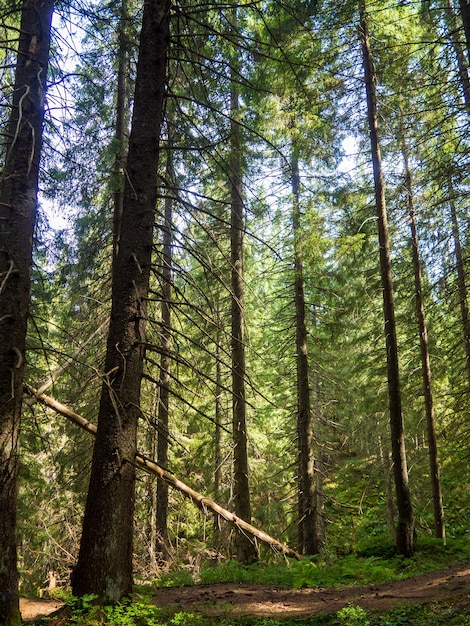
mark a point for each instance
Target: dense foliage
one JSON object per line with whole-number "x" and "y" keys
{"x": 298, "y": 72}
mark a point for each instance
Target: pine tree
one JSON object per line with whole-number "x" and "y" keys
{"x": 309, "y": 539}
{"x": 405, "y": 526}
{"x": 18, "y": 203}
{"x": 439, "y": 529}
{"x": 163, "y": 544}
{"x": 105, "y": 560}
{"x": 246, "y": 551}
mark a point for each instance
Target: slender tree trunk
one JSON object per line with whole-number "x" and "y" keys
{"x": 217, "y": 438}
{"x": 121, "y": 125}
{"x": 462, "y": 286}
{"x": 309, "y": 542}
{"x": 387, "y": 469}
{"x": 465, "y": 14}
{"x": 246, "y": 550}
{"x": 405, "y": 527}
{"x": 462, "y": 62}
{"x": 163, "y": 541}
{"x": 320, "y": 464}
{"x": 105, "y": 560}
{"x": 18, "y": 202}
{"x": 439, "y": 530}
{"x": 151, "y": 483}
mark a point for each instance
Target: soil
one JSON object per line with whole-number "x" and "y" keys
{"x": 33, "y": 608}
{"x": 238, "y": 600}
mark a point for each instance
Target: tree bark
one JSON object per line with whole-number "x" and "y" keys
{"x": 309, "y": 541}
{"x": 18, "y": 202}
{"x": 405, "y": 526}
{"x": 105, "y": 559}
{"x": 246, "y": 550}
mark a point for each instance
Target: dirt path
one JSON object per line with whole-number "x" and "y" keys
{"x": 34, "y": 608}
{"x": 227, "y": 600}
{"x": 264, "y": 600}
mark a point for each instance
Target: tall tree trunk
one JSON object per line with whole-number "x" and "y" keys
{"x": 18, "y": 202}
{"x": 465, "y": 14}
{"x": 320, "y": 462}
{"x": 439, "y": 529}
{"x": 105, "y": 560}
{"x": 462, "y": 62}
{"x": 405, "y": 526}
{"x": 163, "y": 541}
{"x": 309, "y": 542}
{"x": 384, "y": 457}
{"x": 246, "y": 550}
{"x": 121, "y": 124}
{"x": 151, "y": 482}
{"x": 217, "y": 437}
{"x": 462, "y": 285}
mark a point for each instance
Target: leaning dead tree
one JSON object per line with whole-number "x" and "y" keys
{"x": 148, "y": 465}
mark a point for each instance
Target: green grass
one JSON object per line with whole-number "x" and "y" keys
{"x": 370, "y": 565}
{"x": 142, "y": 614}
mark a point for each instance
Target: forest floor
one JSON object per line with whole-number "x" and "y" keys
{"x": 238, "y": 600}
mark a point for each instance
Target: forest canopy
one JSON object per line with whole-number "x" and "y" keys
{"x": 233, "y": 238}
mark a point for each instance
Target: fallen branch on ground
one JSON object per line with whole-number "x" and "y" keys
{"x": 149, "y": 466}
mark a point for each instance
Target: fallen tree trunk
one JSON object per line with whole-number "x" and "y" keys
{"x": 149, "y": 466}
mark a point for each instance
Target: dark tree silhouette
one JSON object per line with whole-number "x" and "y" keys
{"x": 18, "y": 202}
{"x": 105, "y": 560}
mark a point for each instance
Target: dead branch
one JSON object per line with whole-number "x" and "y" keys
{"x": 149, "y": 466}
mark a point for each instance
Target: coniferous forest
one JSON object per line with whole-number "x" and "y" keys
{"x": 234, "y": 274}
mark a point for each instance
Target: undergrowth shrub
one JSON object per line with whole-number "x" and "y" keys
{"x": 371, "y": 565}
{"x": 258, "y": 573}
{"x": 346, "y": 571}
{"x": 86, "y": 612}
{"x": 178, "y": 578}
{"x": 352, "y": 615}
